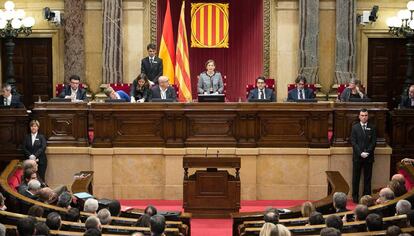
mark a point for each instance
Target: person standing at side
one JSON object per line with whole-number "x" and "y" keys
{"x": 151, "y": 66}
{"x": 363, "y": 139}
{"x": 34, "y": 148}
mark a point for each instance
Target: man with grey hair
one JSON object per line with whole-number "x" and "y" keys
{"x": 385, "y": 195}
{"x": 104, "y": 216}
{"x": 93, "y": 222}
{"x": 8, "y": 99}
{"x": 163, "y": 90}
{"x": 339, "y": 201}
{"x": 91, "y": 205}
{"x": 33, "y": 188}
{"x": 30, "y": 164}
{"x": 360, "y": 212}
{"x": 402, "y": 207}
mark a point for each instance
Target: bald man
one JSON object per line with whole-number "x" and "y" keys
{"x": 163, "y": 90}
{"x": 408, "y": 101}
{"x": 385, "y": 195}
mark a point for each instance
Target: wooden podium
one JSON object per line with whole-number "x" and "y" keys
{"x": 211, "y": 193}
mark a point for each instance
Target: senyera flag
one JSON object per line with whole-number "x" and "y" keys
{"x": 182, "y": 66}
{"x": 167, "y": 52}
{"x": 210, "y": 25}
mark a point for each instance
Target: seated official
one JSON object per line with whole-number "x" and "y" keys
{"x": 163, "y": 90}
{"x": 8, "y": 99}
{"x": 73, "y": 91}
{"x": 261, "y": 92}
{"x": 408, "y": 101}
{"x": 300, "y": 92}
{"x": 140, "y": 89}
{"x": 118, "y": 95}
{"x": 210, "y": 81}
{"x": 352, "y": 91}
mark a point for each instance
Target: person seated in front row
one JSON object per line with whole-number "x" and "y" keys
{"x": 118, "y": 95}
{"x": 140, "y": 89}
{"x": 408, "y": 101}
{"x": 385, "y": 195}
{"x": 300, "y": 92}
{"x": 353, "y": 90}
{"x": 28, "y": 175}
{"x": 73, "y": 91}
{"x": 8, "y": 99}
{"x": 32, "y": 189}
{"x": 210, "y": 81}
{"x": 163, "y": 90}
{"x": 261, "y": 92}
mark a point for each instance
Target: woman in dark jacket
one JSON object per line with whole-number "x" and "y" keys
{"x": 140, "y": 89}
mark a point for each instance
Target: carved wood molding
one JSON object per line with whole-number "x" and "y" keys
{"x": 153, "y": 21}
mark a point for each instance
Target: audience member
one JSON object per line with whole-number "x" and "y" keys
{"x": 104, "y": 216}
{"x": 399, "y": 177}
{"x": 53, "y": 221}
{"x": 271, "y": 216}
{"x": 91, "y": 205}
{"x": 2, "y": 230}
{"x": 33, "y": 189}
{"x": 30, "y": 164}
{"x": 64, "y": 200}
{"x": 267, "y": 229}
{"x": 114, "y": 207}
{"x": 93, "y": 222}
{"x": 144, "y": 221}
{"x": 385, "y": 195}
{"x": 280, "y": 230}
{"x": 398, "y": 188}
{"x": 393, "y": 230}
{"x": 41, "y": 229}
{"x": 48, "y": 196}
{"x": 403, "y": 207}
{"x": 26, "y": 226}
{"x": 410, "y": 218}
{"x": 360, "y": 212}
{"x": 157, "y": 225}
{"x": 339, "y": 202}
{"x": 2, "y": 204}
{"x": 307, "y": 208}
{"x": 150, "y": 210}
{"x": 35, "y": 211}
{"x": 92, "y": 232}
{"x": 72, "y": 215}
{"x": 330, "y": 232}
{"x": 334, "y": 221}
{"x": 374, "y": 222}
{"x": 367, "y": 200}
{"x": 316, "y": 218}
{"x": 28, "y": 174}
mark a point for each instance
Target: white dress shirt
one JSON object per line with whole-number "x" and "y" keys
{"x": 303, "y": 94}
{"x": 7, "y": 100}
{"x": 163, "y": 93}
{"x": 33, "y": 138}
{"x": 260, "y": 93}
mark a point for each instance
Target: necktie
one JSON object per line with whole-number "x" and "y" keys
{"x": 301, "y": 94}
{"x": 5, "y": 101}
{"x": 151, "y": 61}
{"x": 261, "y": 94}
{"x": 364, "y": 127}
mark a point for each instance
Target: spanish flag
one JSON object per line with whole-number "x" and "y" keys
{"x": 167, "y": 46}
{"x": 182, "y": 66}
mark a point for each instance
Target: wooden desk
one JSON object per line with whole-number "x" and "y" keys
{"x": 211, "y": 124}
{"x": 345, "y": 114}
{"x": 14, "y": 124}
{"x": 63, "y": 124}
{"x": 211, "y": 193}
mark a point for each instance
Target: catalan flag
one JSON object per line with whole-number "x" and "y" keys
{"x": 167, "y": 53}
{"x": 182, "y": 66}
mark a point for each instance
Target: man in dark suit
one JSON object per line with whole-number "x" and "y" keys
{"x": 261, "y": 92}
{"x": 73, "y": 91}
{"x": 33, "y": 188}
{"x": 363, "y": 139}
{"x": 300, "y": 92}
{"x": 8, "y": 99}
{"x": 408, "y": 101}
{"x": 152, "y": 65}
{"x": 34, "y": 147}
{"x": 164, "y": 90}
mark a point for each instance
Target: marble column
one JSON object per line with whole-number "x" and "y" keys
{"x": 345, "y": 60}
{"x": 112, "y": 42}
{"x": 308, "y": 42}
{"x": 74, "y": 57}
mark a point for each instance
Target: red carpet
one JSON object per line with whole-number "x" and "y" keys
{"x": 216, "y": 227}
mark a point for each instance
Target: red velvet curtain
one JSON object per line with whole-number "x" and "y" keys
{"x": 242, "y": 62}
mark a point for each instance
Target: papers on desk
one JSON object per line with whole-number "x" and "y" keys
{"x": 83, "y": 195}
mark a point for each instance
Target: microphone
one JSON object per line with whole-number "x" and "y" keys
{"x": 206, "y": 151}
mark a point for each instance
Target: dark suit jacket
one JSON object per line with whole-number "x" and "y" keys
{"x": 15, "y": 102}
{"x": 140, "y": 94}
{"x": 293, "y": 94}
{"x": 152, "y": 71}
{"x": 80, "y": 94}
{"x": 254, "y": 94}
{"x": 406, "y": 102}
{"x": 170, "y": 93}
{"x": 363, "y": 142}
{"x": 38, "y": 149}
{"x": 29, "y": 195}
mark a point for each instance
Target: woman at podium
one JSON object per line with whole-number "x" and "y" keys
{"x": 210, "y": 81}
